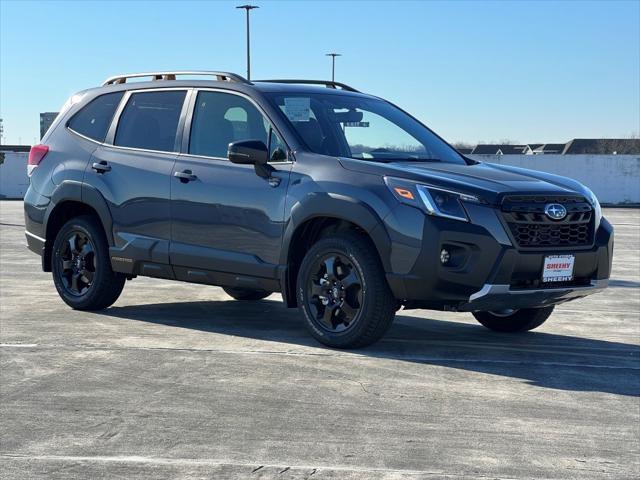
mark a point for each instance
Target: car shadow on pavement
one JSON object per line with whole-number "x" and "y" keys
{"x": 624, "y": 283}
{"x": 543, "y": 359}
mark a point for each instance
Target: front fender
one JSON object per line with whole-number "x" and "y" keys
{"x": 339, "y": 206}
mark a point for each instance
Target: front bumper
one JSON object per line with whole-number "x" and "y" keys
{"x": 487, "y": 272}
{"x": 503, "y": 297}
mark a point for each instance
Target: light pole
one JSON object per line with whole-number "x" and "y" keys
{"x": 333, "y": 64}
{"x": 248, "y": 8}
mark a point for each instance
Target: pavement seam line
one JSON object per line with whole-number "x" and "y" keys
{"x": 215, "y": 462}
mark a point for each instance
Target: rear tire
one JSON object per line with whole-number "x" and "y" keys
{"x": 519, "y": 321}
{"x": 81, "y": 266}
{"x": 343, "y": 293}
{"x": 246, "y": 294}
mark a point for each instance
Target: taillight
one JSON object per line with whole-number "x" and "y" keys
{"x": 36, "y": 154}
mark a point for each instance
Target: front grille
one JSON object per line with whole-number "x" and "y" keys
{"x": 531, "y": 228}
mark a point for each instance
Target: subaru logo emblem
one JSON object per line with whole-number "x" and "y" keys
{"x": 555, "y": 211}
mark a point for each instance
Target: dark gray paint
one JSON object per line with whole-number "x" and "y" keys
{"x": 229, "y": 226}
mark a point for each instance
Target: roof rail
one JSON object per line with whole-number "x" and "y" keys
{"x": 220, "y": 76}
{"x": 326, "y": 83}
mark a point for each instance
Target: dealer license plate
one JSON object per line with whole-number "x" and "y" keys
{"x": 558, "y": 268}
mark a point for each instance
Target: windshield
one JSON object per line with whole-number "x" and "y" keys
{"x": 362, "y": 128}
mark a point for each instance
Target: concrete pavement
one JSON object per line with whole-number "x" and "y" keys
{"x": 180, "y": 381}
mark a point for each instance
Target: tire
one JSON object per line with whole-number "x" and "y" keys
{"x": 518, "y": 321}
{"x": 246, "y": 294}
{"x": 360, "y": 304}
{"x": 96, "y": 285}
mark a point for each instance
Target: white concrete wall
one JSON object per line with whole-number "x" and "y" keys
{"x": 13, "y": 175}
{"x": 615, "y": 179}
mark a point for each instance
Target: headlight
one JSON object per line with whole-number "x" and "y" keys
{"x": 593, "y": 200}
{"x": 435, "y": 201}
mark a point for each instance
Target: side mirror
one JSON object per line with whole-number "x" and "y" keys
{"x": 248, "y": 152}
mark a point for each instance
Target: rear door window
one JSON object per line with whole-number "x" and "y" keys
{"x": 150, "y": 120}
{"x": 94, "y": 119}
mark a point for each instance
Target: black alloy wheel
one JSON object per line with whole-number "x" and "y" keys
{"x": 343, "y": 293}
{"x": 334, "y": 293}
{"x": 81, "y": 265}
{"x": 246, "y": 294}
{"x": 512, "y": 321}
{"x": 77, "y": 263}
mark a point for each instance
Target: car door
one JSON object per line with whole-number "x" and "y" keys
{"x": 132, "y": 171}
{"x": 226, "y": 218}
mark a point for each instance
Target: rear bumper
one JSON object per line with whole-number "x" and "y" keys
{"x": 488, "y": 273}
{"x": 35, "y": 208}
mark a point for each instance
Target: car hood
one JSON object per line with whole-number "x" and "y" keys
{"x": 488, "y": 180}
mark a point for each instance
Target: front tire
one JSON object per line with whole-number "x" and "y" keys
{"x": 343, "y": 293}
{"x": 518, "y": 321}
{"x": 246, "y": 294}
{"x": 81, "y": 267}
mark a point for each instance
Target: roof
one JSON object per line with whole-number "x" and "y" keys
{"x": 497, "y": 149}
{"x": 621, "y": 146}
{"x": 464, "y": 150}
{"x": 553, "y": 147}
{"x": 247, "y": 88}
{"x": 546, "y": 147}
{"x": 230, "y": 80}
{"x": 512, "y": 149}
{"x": 485, "y": 149}
{"x": 298, "y": 88}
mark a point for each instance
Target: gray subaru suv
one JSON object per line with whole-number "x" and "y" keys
{"x": 341, "y": 201}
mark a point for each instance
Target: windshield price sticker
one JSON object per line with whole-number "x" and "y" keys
{"x": 297, "y": 109}
{"x": 558, "y": 268}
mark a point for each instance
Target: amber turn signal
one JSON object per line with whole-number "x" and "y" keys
{"x": 404, "y": 193}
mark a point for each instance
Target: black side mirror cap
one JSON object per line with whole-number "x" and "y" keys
{"x": 248, "y": 152}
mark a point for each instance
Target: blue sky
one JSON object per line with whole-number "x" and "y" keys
{"x": 474, "y": 71}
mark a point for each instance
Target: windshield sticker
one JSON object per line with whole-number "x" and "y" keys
{"x": 356, "y": 124}
{"x": 297, "y": 109}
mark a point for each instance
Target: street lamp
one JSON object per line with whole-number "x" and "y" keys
{"x": 333, "y": 64}
{"x": 248, "y": 8}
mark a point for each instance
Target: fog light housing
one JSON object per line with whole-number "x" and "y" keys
{"x": 444, "y": 256}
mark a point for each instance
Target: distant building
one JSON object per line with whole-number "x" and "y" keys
{"x": 46, "y": 119}
{"x": 488, "y": 149}
{"x": 464, "y": 150}
{"x": 13, "y": 171}
{"x": 530, "y": 147}
{"x": 595, "y": 146}
{"x": 15, "y": 148}
{"x": 546, "y": 148}
{"x": 602, "y": 146}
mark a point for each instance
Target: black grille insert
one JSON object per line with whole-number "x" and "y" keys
{"x": 530, "y": 227}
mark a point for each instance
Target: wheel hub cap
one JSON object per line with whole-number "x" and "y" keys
{"x": 335, "y": 293}
{"x": 76, "y": 263}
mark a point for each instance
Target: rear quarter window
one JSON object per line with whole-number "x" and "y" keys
{"x": 93, "y": 120}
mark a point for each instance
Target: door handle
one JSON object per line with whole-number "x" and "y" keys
{"x": 101, "y": 167}
{"x": 185, "y": 176}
